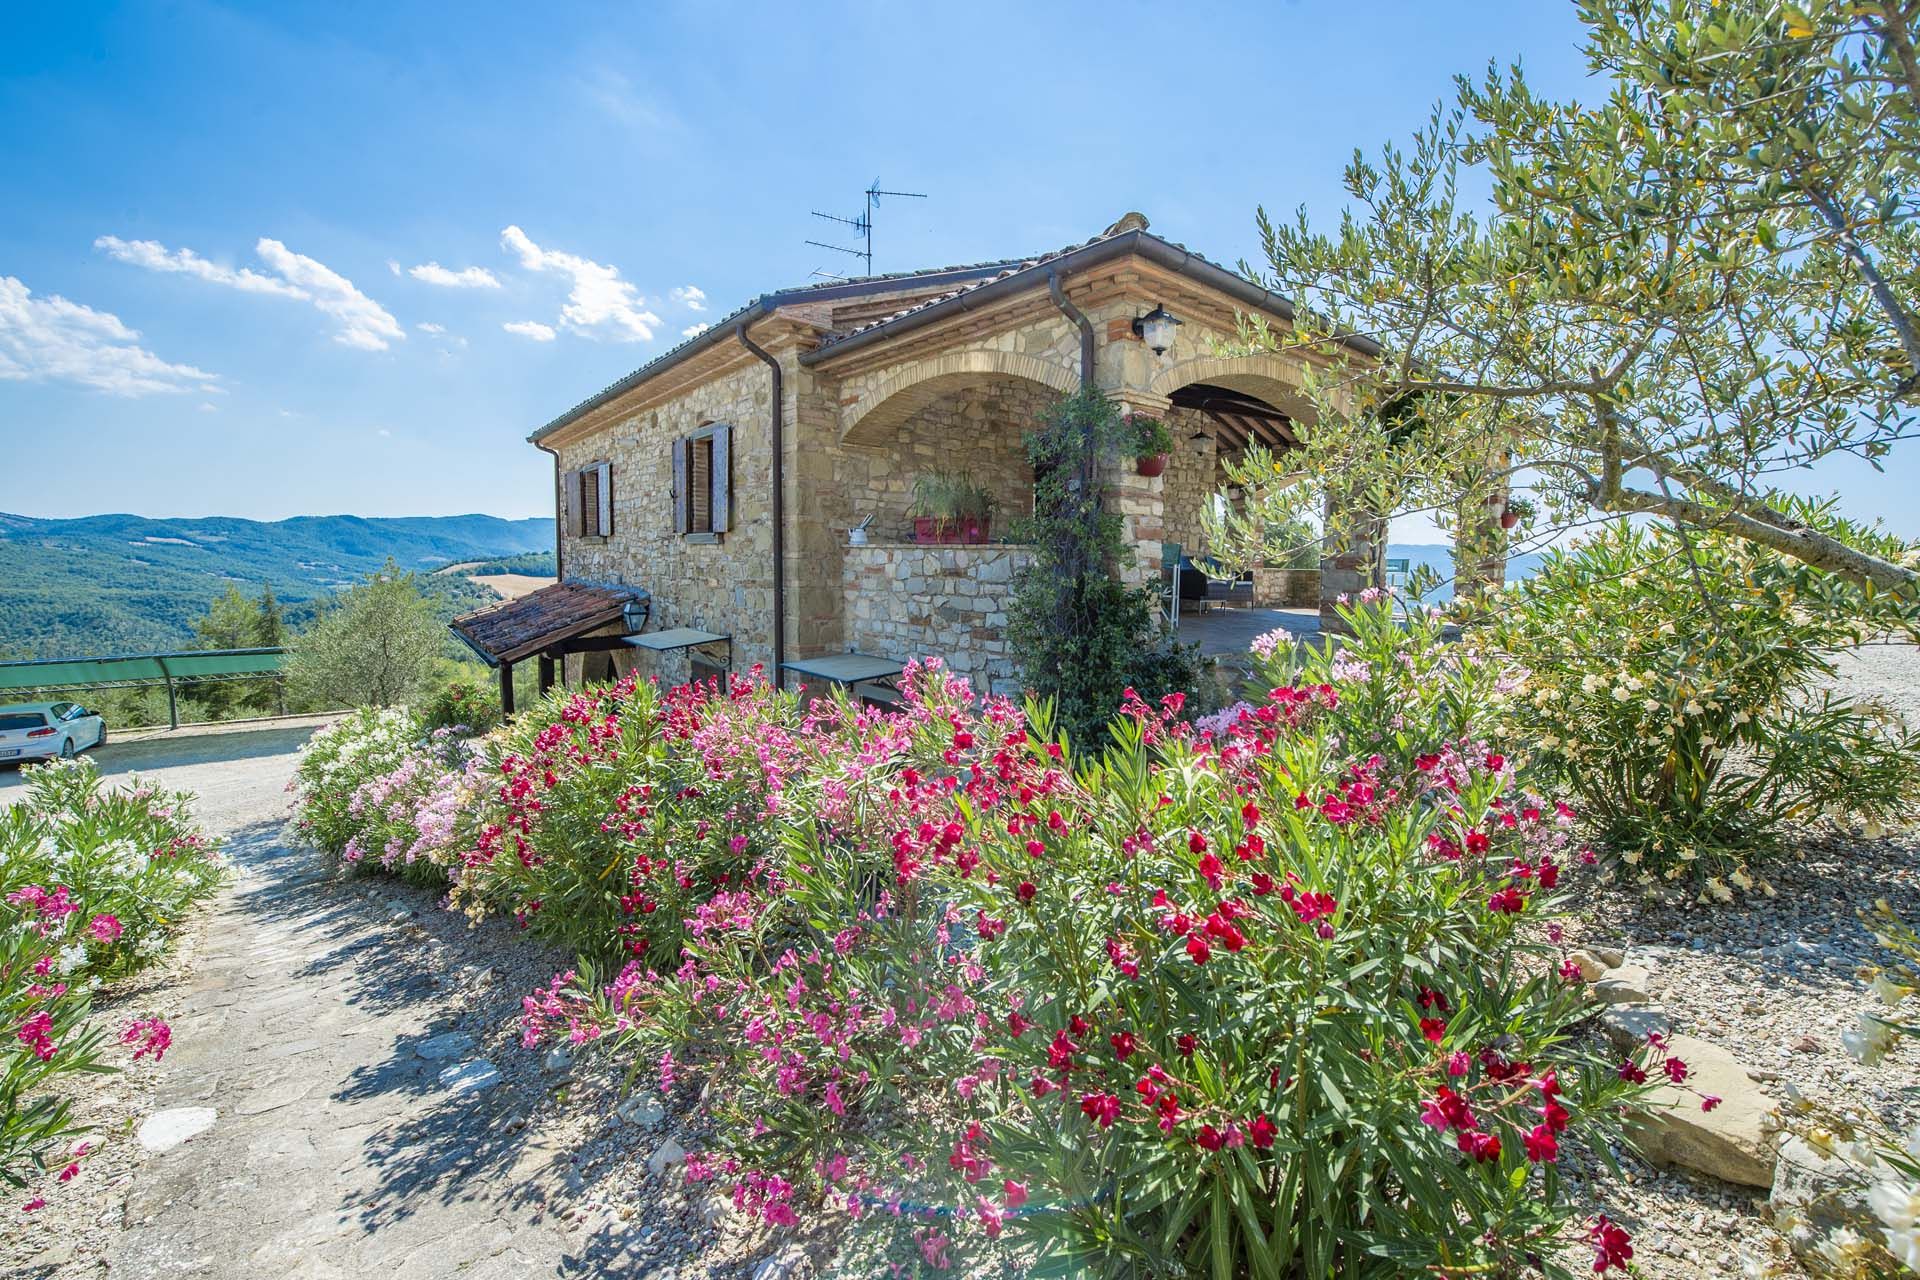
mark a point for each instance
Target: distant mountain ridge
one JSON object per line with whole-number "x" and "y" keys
{"x": 120, "y": 583}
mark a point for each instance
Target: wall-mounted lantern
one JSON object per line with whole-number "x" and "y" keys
{"x": 1156, "y": 328}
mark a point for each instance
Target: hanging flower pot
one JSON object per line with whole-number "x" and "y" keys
{"x": 1508, "y": 519}
{"x": 1151, "y": 465}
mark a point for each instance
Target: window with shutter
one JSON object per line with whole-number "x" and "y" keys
{"x": 703, "y": 483}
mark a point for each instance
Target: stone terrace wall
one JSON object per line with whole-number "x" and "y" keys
{"x": 906, "y": 601}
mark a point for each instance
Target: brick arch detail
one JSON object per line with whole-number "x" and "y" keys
{"x": 913, "y": 388}
{"x": 1273, "y": 378}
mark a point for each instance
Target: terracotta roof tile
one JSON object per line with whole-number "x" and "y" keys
{"x": 515, "y": 629}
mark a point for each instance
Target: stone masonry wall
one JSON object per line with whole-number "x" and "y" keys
{"x": 905, "y": 601}
{"x": 725, "y": 586}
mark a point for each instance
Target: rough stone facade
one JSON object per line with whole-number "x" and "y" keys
{"x": 950, "y": 602}
{"x": 724, "y": 586}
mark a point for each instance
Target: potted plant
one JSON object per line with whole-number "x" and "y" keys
{"x": 1515, "y": 510}
{"x": 1154, "y": 442}
{"x": 973, "y": 511}
{"x": 936, "y": 508}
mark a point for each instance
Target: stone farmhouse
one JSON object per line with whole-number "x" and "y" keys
{"x": 713, "y": 490}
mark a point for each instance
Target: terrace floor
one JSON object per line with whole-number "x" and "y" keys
{"x": 1231, "y": 630}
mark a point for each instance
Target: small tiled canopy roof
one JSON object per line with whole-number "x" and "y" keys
{"x": 515, "y": 629}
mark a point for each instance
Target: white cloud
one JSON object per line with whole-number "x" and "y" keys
{"x": 364, "y": 323}
{"x": 530, "y": 329}
{"x": 692, "y": 297}
{"x": 467, "y": 278}
{"x": 206, "y": 407}
{"x": 155, "y": 256}
{"x": 600, "y": 302}
{"x": 428, "y": 326}
{"x": 694, "y": 330}
{"x": 383, "y": 432}
{"x": 50, "y": 339}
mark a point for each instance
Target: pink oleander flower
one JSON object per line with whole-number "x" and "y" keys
{"x": 104, "y": 928}
{"x": 148, "y": 1036}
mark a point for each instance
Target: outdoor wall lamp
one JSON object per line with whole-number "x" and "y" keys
{"x": 1156, "y": 328}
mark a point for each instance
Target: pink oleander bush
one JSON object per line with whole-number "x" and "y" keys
{"x": 1282, "y": 998}
{"x": 379, "y": 790}
{"x": 94, "y": 880}
{"x": 620, "y": 811}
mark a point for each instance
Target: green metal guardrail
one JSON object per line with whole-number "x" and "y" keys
{"x": 127, "y": 671}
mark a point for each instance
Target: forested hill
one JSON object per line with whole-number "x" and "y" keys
{"x": 121, "y": 583}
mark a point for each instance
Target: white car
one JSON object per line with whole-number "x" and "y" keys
{"x": 43, "y": 730}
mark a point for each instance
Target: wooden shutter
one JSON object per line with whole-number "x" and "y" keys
{"x": 589, "y": 501}
{"x": 570, "y": 503}
{"x": 700, "y": 482}
{"x": 682, "y": 510}
{"x": 720, "y": 504}
{"x": 604, "y": 486}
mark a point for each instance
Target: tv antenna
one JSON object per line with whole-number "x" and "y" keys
{"x": 862, "y": 224}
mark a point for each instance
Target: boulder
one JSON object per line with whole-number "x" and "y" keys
{"x": 1612, "y": 957}
{"x": 1591, "y": 967}
{"x": 1627, "y": 1026}
{"x": 789, "y": 1264}
{"x": 1730, "y": 1142}
{"x": 1819, "y": 1204}
{"x": 643, "y": 1110}
{"x": 666, "y": 1156}
{"x": 1624, "y": 985}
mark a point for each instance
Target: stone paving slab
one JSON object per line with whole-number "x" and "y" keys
{"x": 336, "y": 1152}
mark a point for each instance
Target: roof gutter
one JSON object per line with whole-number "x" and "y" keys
{"x": 776, "y": 435}
{"x": 1131, "y": 243}
{"x": 1079, "y": 318}
{"x": 559, "y": 516}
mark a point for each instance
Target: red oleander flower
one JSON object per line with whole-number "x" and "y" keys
{"x": 1433, "y": 1029}
{"x": 1262, "y": 1132}
{"x": 1612, "y": 1246}
{"x": 1198, "y": 949}
{"x": 1541, "y": 1145}
{"x": 1103, "y": 1108}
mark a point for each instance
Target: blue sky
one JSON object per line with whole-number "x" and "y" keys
{"x": 293, "y": 259}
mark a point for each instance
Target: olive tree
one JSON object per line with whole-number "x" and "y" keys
{"x": 378, "y": 644}
{"x": 1658, "y": 304}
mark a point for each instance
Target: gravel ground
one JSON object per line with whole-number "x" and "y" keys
{"x": 1774, "y": 981}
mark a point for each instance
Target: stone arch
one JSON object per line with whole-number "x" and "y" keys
{"x": 1266, "y": 375}
{"x": 902, "y": 394}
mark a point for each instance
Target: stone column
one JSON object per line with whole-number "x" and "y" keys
{"x": 1138, "y": 500}
{"x": 1353, "y": 561}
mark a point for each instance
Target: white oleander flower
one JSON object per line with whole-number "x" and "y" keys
{"x": 71, "y": 957}
{"x": 1869, "y": 1041}
{"x": 1740, "y": 878}
{"x": 1890, "y": 992}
